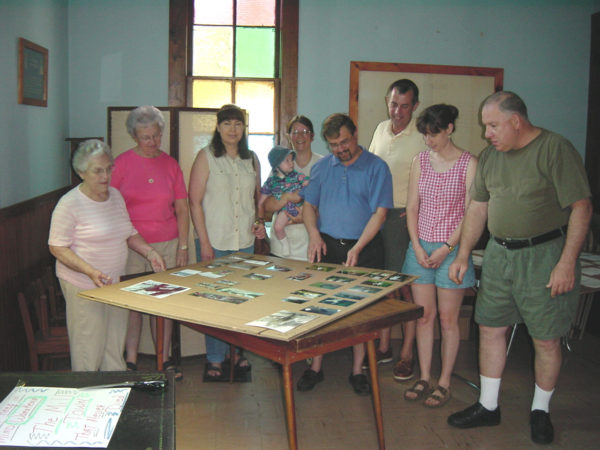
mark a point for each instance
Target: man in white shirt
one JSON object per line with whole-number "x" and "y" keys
{"x": 397, "y": 141}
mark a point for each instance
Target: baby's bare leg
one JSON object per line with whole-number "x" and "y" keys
{"x": 280, "y": 223}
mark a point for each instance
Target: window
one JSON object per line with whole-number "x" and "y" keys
{"x": 242, "y": 52}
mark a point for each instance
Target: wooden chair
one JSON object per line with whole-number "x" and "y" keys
{"x": 46, "y": 342}
{"x": 56, "y": 301}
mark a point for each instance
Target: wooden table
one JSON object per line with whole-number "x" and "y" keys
{"x": 356, "y": 323}
{"x": 147, "y": 420}
{"x": 362, "y": 326}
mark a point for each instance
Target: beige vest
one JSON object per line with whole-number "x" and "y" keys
{"x": 228, "y": 204}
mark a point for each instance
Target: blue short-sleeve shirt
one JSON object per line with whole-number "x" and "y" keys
{"x": 347, "y": 196}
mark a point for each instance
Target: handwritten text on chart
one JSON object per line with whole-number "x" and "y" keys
{"x": 60, "y": 417}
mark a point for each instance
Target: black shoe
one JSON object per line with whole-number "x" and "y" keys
{"x": 309, "y": 379}
{"x": 475, "y": 416}
{"x": 542, "y": 431}
{"x": 360, "y": 384}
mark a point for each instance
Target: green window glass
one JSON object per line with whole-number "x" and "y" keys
{"x": 255, "y": 52}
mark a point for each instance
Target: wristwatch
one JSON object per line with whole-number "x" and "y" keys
{"x": 183, "y": 247}
{"x": 450, "y": 247}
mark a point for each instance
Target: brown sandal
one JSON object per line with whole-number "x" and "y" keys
{"x": 419, "y": 393}
{"x": 441, "y": 400}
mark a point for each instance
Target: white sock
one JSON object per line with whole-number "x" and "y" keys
{"x": 490, "y": 388}
{"x": 541, "y": 399}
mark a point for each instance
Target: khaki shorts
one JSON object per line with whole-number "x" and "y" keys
{"x": 136, "y": 263}
{"x": 513, "y": 290}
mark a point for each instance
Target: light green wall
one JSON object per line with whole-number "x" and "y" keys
{"x": 33, "y": 157}
{"x": 115, "y": 52}
{"x": 543, "y": 46}
{"x": 118, "y": 56}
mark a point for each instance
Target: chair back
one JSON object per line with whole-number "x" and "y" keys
{"x": 45, "y": 342}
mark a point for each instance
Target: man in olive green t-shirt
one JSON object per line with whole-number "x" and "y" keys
{"x": 531, "y": 188}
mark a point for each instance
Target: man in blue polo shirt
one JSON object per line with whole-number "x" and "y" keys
{"x": 346, "y": 203}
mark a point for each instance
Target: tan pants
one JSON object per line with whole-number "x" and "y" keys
{"x": 96, "y": 332}
{"x": 137, "y": 263}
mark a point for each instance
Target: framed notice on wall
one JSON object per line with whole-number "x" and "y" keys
{"x": 33, "y": 74}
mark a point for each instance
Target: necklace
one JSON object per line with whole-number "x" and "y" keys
{"x": 148, "y": 161}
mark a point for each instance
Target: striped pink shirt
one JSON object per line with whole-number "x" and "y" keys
{"x": 441, "y": 198}
{"x": 95, "y": 231}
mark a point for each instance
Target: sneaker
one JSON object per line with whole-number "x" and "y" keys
{"x": 380, "y": 357}
{"x": 309, "y": 380}
{"x": 403, "y": 370}
{"x": 360, "y": 384}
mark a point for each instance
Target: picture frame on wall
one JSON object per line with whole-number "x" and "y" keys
{"x": 33, "y": 74}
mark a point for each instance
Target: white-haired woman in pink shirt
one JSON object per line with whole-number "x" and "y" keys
{"x": 90, "y": 232}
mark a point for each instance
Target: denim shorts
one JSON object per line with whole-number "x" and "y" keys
{"x": 439, "y": 276}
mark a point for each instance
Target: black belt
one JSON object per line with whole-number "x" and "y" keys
{"x": 342, "y": 242}
{"x": 513, "y": 244}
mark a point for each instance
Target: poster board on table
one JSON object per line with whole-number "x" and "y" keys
{"x": 461, "y": 86}
{"x": 236, "y": 290}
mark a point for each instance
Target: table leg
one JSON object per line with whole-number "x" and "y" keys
{"x": 376, "y": 393}
{"x": 288, "y": 389}
{"x": 160, "y": 334}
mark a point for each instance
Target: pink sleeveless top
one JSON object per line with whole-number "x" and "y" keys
{"x": 441, "y": 198}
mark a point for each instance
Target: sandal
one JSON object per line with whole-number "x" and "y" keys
{"x": 169, "y": 366}
{"x": 419, "y": 393}
{"x": 213, "y": 368}
{"x": 131, "y": 366}
{"x": 440, "y": 399}
{"x": 243, "y": 364}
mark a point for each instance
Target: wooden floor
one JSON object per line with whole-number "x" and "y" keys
{"x": 251, "y": 415}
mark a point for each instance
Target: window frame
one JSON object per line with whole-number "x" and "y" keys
{"x": 180, "y": 32}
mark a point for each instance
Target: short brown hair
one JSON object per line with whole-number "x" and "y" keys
{"x": 334, "y": 123}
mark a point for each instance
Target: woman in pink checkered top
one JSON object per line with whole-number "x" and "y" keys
{"x": 438, "y": 194}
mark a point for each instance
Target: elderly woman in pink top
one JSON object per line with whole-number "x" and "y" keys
{"x": 153, "y": 187}
{"x": 89, "y": 235}
{"x": 438, "y": 194}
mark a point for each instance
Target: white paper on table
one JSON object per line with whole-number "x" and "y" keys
{"x": 34, "y": 416}
{"x": 156, "y": 289}
{"x": 185, "y": 273}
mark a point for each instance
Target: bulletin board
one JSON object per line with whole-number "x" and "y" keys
{"x": 230, "y": 292}
{"x": 461, "y": 86}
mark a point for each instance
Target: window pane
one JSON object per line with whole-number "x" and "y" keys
{"x": 213, "y": 50}
{"x": 211, "y": 93}
{"x": 262, "y": 144}
{"x": 256, "y": 12}
{"x": 258, "y": 98}
{"x": 255, "y": 52}
{"x": 211, "y": 12}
